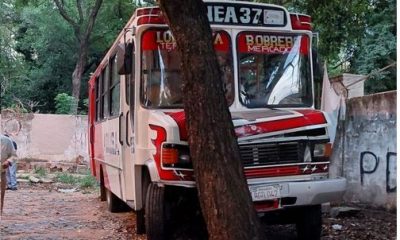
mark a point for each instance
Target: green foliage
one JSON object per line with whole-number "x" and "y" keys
{"x": 41, "y": 172}
{"x": 378, "y": 48}
{"x": 64, "y": 103}
{"x": 38, "y": 49}
{"x": 83, "y": 182}
{"x": 87, "y": 181}
{"x": 66, "y": 178}
{"x": 12, "y": 68}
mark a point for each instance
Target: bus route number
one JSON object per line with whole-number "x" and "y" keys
{"x": 241, "y": 15}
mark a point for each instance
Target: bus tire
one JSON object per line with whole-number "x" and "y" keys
{"x": 114, "y": 204}
{"x": 309, "y": 223}
{"x": 155, "y": 212}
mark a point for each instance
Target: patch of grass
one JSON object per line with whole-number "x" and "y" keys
{"x": 66, "y": 178}
{"x": 84, "y": 182}
{"x": 88, "y": 181}
{"x": 41, "y": 172}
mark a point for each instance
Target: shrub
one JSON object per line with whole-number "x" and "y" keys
{"x": 65, "y": 104}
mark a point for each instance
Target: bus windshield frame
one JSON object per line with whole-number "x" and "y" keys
{"x": 161, "y": 83}
{"x": 274, "y": 69}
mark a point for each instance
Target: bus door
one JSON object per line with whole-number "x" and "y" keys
{"x": 108, "y": 127}
{"x": 127, "y": 124}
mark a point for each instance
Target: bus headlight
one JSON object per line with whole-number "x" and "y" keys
{"x": 175, "y": 156}
{"x": 322, "y": 150}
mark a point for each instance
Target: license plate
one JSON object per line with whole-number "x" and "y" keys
{"x": 265, "y": 192}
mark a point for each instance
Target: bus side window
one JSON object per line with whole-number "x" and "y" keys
{"x": 101, "y": 93}
{"x": 130, "y": 93}
{"x": 97, "y": 96}
{"x": 114, "y": 94}
{"x": 104, "y": 92}
{"x": 130, "y": 80}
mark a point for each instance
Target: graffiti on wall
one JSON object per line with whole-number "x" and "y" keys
{"x": 369, "y": 163}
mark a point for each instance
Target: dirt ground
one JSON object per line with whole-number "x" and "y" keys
{"x": 39, "y": 212}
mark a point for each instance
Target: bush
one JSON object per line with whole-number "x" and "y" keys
{"x": 65, "y": 104}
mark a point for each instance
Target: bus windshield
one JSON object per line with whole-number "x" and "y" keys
{"x": 274, "y": 70}
{"x": 161, "y": 74}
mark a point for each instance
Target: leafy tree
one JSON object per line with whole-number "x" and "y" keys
{"x": 378, "y": 47}
{"x": 222, "y": 187}
{"x": 82, "y": 27}
{"x": 46, "y": 50}
{"x": 48, "y": 56}
{"x": 12, "y": 68}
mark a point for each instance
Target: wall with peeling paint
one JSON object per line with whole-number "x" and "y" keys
{"x": 365, "y": 150}
{"x": 49, "y": 137}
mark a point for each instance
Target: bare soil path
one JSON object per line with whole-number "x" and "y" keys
{"x": 41, "y": 212}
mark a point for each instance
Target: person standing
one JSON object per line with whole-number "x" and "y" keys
{"x": 7, "y": 158}
{"x": 11, "y": 171}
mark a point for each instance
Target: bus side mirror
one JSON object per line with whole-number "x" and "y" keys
{"x": 124, "y": 58}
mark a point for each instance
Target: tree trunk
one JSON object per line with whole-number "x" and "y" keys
{"x": 223, "y": 192}
{"x": 82, "y": 33}
{"x": 78, "y": 72}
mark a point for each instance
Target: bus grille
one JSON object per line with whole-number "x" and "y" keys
{"x": 269, "y": 153}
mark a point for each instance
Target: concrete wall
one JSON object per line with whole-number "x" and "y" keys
{"x": 365, "y": 150}
{"x": 351, "y": 82}
{"x": 48, "y": 137}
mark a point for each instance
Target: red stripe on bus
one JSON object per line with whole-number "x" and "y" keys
{"x": 309, "y": 118}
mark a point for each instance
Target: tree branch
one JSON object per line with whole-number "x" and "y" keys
{"x": 79, "y": 6}
{"x": 64, "y": 14}
{"x": 92, "y": 19}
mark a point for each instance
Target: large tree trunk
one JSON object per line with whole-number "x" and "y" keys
{"x": 223, "y": 192}
{"x": 78, "y": 72}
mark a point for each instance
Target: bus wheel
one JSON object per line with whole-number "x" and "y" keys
{"x": 115, "y": 204}
{"x": 155, "y": 212}
{"x": 309, "y": 223}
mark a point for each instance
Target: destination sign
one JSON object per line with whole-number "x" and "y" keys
{"x": 162, "y": 39}
{"x": 245, "y": 14}
{"x": 265, "y": 43}
{"x": 272, "y": 43}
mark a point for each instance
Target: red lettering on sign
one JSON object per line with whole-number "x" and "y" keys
{"x": 163, "y": 40}
{"x": 271, "y": 44}
{"x": 158, "y": 39}
{"x": 221, "y": 41}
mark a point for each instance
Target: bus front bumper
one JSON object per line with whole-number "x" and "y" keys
{"x": 311, "y": 192}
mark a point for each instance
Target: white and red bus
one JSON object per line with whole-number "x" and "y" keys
{"x": 138, "y": 138}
